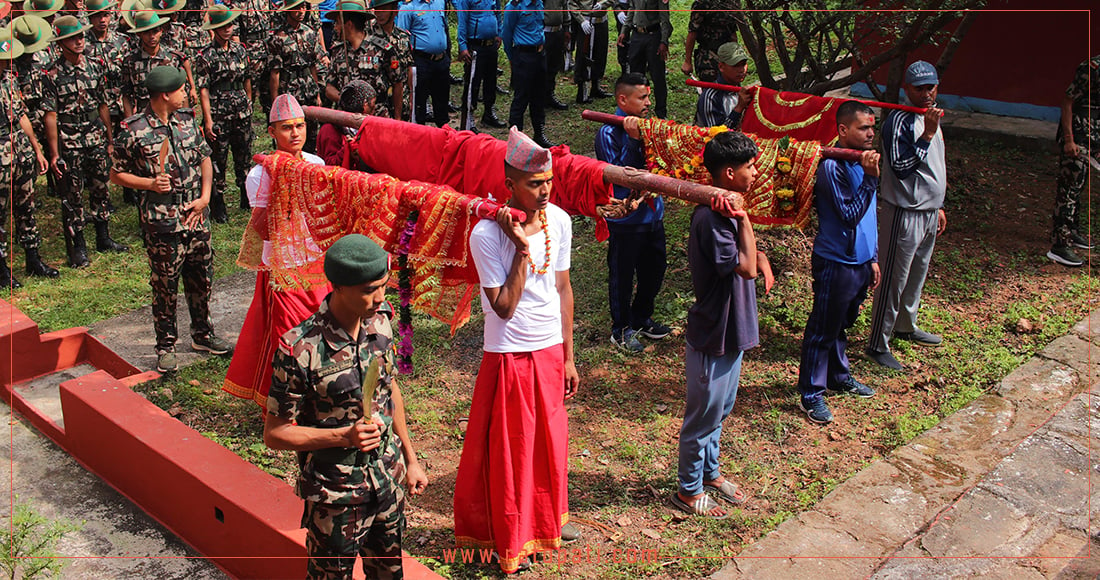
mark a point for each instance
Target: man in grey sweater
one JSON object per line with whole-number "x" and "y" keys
{"x": 910, "y": 215}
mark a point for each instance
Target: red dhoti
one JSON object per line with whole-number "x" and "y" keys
{"x": 511, "y": 494}
{"x": 271, "y": 314}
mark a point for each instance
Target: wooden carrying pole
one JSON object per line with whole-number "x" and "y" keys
{"x": 826, "y": 152}
{"x": 881, "y": 105}
{"x": 480, "y": 207}
{"x": 629, "y": 177}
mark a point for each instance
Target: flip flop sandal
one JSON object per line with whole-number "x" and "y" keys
{"x": 700, "y": 507}
{"x": 727, "y": 490}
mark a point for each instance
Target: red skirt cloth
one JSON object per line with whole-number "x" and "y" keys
{"x": 271, "y": 314}
{"x": 510, "y": 493}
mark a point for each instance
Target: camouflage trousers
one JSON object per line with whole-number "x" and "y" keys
{"x": 172, "y": 255}
{"x": 233, "y": 135}
{"x": 705, "y": 64}
{"x": 258, "y": 72}
{"x": 335, "y": 534}
{"x": 1072, "y": 174}
{"x": 86, "y": 167}
{"x": 17, "y": 186}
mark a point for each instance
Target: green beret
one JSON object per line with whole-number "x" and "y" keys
{"x": 164, "y": 79}
{"x": 355, "y": 259}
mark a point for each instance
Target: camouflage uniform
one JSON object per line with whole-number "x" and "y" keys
{"x": 222, "y": 72}
{"x": 714, "y": 23}
{"x": 174, "y": 251}
{"x": 353, "y": 500}
{"x": 401, "y": 43}
{"x": 376, "y": 62}
{"x": 293, "y": 52}
{"x": 253, "y": 27}
{"x": 189, "y": 40}
{"x": 109, "y": 53}
{"x": 1073, "y": 171}
{"x": 75, "y": 92}
{"x": 20, "y": 168}
{"x": 138, "y": 64}
{"x": 30, "y": 72}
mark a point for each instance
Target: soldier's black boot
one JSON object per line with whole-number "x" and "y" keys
{"x": 490, "y": 119}
{"x": 77, "y": 250}
{"x": 554, "y": 103}
{"x": 217, "y": 208}
{"x": 103, "y": 241}
{"x": 540, "y": 138}
{"x": 36, "y": 267}
{"x": 7, "y": 279}
{"x": 597, "y": 92}
{"x": 244, "y": 200}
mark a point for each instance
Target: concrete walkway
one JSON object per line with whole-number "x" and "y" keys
{"x": 1001, "y": 489}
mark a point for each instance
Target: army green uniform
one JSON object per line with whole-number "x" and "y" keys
{"x": 138, "y": 64}
{"x": 401, "y": 43}
{"x": 20, "y": 168}
{"x": 253, "y": 28}
{"x": 30, "y": 72}
{"x": 1073, "y": 171}
{"x": 353, "y": 499}
{"x": 109, "y": 53}
{"x": 649, "y": 28}
{"x": 293, "y": 52}
{"x": 714, "y": 23}
{"x": 375, "y": 62}
{"x": 189, "y": 40}
{"x": 222, "y": 72}
{"x": 75, "y": 93}
{"x": 174, "y": 250}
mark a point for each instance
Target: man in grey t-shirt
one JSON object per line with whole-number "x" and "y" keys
{"x": 910, "y": 214}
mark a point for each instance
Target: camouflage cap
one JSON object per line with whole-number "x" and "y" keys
{"x": 732, "y": 54}
{"x": 32, "y": 31}
{"x": 526, "y": 155}
{"x": 67, "y": 26}
{"x": 164, "y": 79}
{"x": 355, "y": 259}
{"x": 9, "y": 47}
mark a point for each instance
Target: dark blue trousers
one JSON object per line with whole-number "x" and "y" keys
{"x": 633, "y": 253}
{"x": 839, "y": 289}
{"x": 528, "y": 88}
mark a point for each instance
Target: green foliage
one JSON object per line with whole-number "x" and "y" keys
{"x": 28, "y": 544}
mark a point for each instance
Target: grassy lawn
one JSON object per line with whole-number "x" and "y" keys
{"x": 988, "y": 272}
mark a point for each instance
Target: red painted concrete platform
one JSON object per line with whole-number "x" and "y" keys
{"x": 242, "y": 519}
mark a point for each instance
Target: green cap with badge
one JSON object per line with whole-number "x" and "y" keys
{"x": 732, "y": 54}
{"x": 32, "y": 31}
{"x": 381, "y": 3}
{"x": 218, "y": 16}
{"x": 355, "y": 259}
{"x": 9, "y": 47}
{"x": 164, "y": 79}
{"x": 97, "y": 6}
{"x": 67, "y": 26}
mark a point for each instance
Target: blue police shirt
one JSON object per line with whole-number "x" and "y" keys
{"x": 426, "y": 22}
{"x": 326, "y": 7}
{"x": 477, "y": 20}
{"x": 522, "y": 25}
{"x": 847, "y": 220}
{"x": 614, "y": 146}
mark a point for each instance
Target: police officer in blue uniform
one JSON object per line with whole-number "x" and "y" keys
{"x": 478, "y": 46}
{"x": 426, "y": 22}
{"x": 524, "y": 41}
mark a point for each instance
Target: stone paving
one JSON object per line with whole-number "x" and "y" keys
{"x": 1001, "y": 489}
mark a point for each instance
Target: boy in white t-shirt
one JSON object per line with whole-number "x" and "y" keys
{"x": 510, "y": 493}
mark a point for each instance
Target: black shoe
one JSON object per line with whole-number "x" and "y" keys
{"x": 599, "y": 93}
{"x": 885, "y": 359}
{"x": 103, "y": 241}
{"x": 7, "y": 278}
{"x": 451, "y": 108}
{"x": 816, "y": 410}
{"x": 212, "y": 345}
{"x": 503, "y": 91}
{"x": 77, "y": 250}
{"x": 541, "y": 140}
{"x": 490, "y": 119}
{"x": 218, "y": 213}
{"x": 1065, "y": 256}
{"x": 36, "y": 267}
{"x": 853, "y": 387}
{"x": 554, "y": 103}
{"x": 1081, "y": 242}
{"x": 653, "y": 330}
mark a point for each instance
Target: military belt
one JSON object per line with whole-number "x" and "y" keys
{"x": 528, "y": 48}
{"x": 429, "y": 56}
{"x": 647, "y": 29}
{"x": 88, "y": 117}
{"x": 482, "y": 42}
{"x": 227, "y": 86}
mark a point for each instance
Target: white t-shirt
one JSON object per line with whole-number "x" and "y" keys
{"x": 257, "y": 186}
{"x": 536, "y": 322}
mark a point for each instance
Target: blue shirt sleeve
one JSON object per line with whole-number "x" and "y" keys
{"x": 508, "y": 27}
{"x": 464, "y": 13}
{"x": 615, "y": 146}
{"x": 903, "y": 152}
{"x": 837, "y": 183}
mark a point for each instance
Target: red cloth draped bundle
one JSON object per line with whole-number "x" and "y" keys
{"x": 775, "y": 114}
{"x": 474, "y": 164}
{"x": 324, "y": 203}
{"x": 783, "y": 192}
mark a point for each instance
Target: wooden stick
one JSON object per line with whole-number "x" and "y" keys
{"x": 721, "y": 87}
{"x": 826, "y": 152}
{"x": 481, "y": 207}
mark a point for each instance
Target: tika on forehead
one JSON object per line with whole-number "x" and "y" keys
{"x": 524, "y": 154}
{"x": 285, "y": 108}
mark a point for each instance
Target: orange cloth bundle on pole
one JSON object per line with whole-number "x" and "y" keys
{"x": 783, "y": 192}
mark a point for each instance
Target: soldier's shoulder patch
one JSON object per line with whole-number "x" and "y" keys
{"x": 134, "y": 122}
{"x": 386, "y": 309}
{"x": 186, "y": 113}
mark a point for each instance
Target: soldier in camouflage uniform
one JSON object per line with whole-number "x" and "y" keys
{"x": 226, "y": 95}
{"x": 150, "y": 52}
{"x": 334, "y": 400}
{"x": 78, "y": 129}
{"x": 253, "y": 28}
{"x": 365, "y": 57}
{"x": 19, "y": 151}
{"x": 293, "y": 60}
{"x": 175, "y": 34}
{"x": 30, "y": 72}
{"x": 1078, "y": 132}
{"x": 712, "y": 24}
{"x": 160, "y": 151}
{"x": 108, "y": 47}
{"x": 384, "y": 28}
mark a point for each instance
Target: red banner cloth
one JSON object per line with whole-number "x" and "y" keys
{"x": 775, "y": 114}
